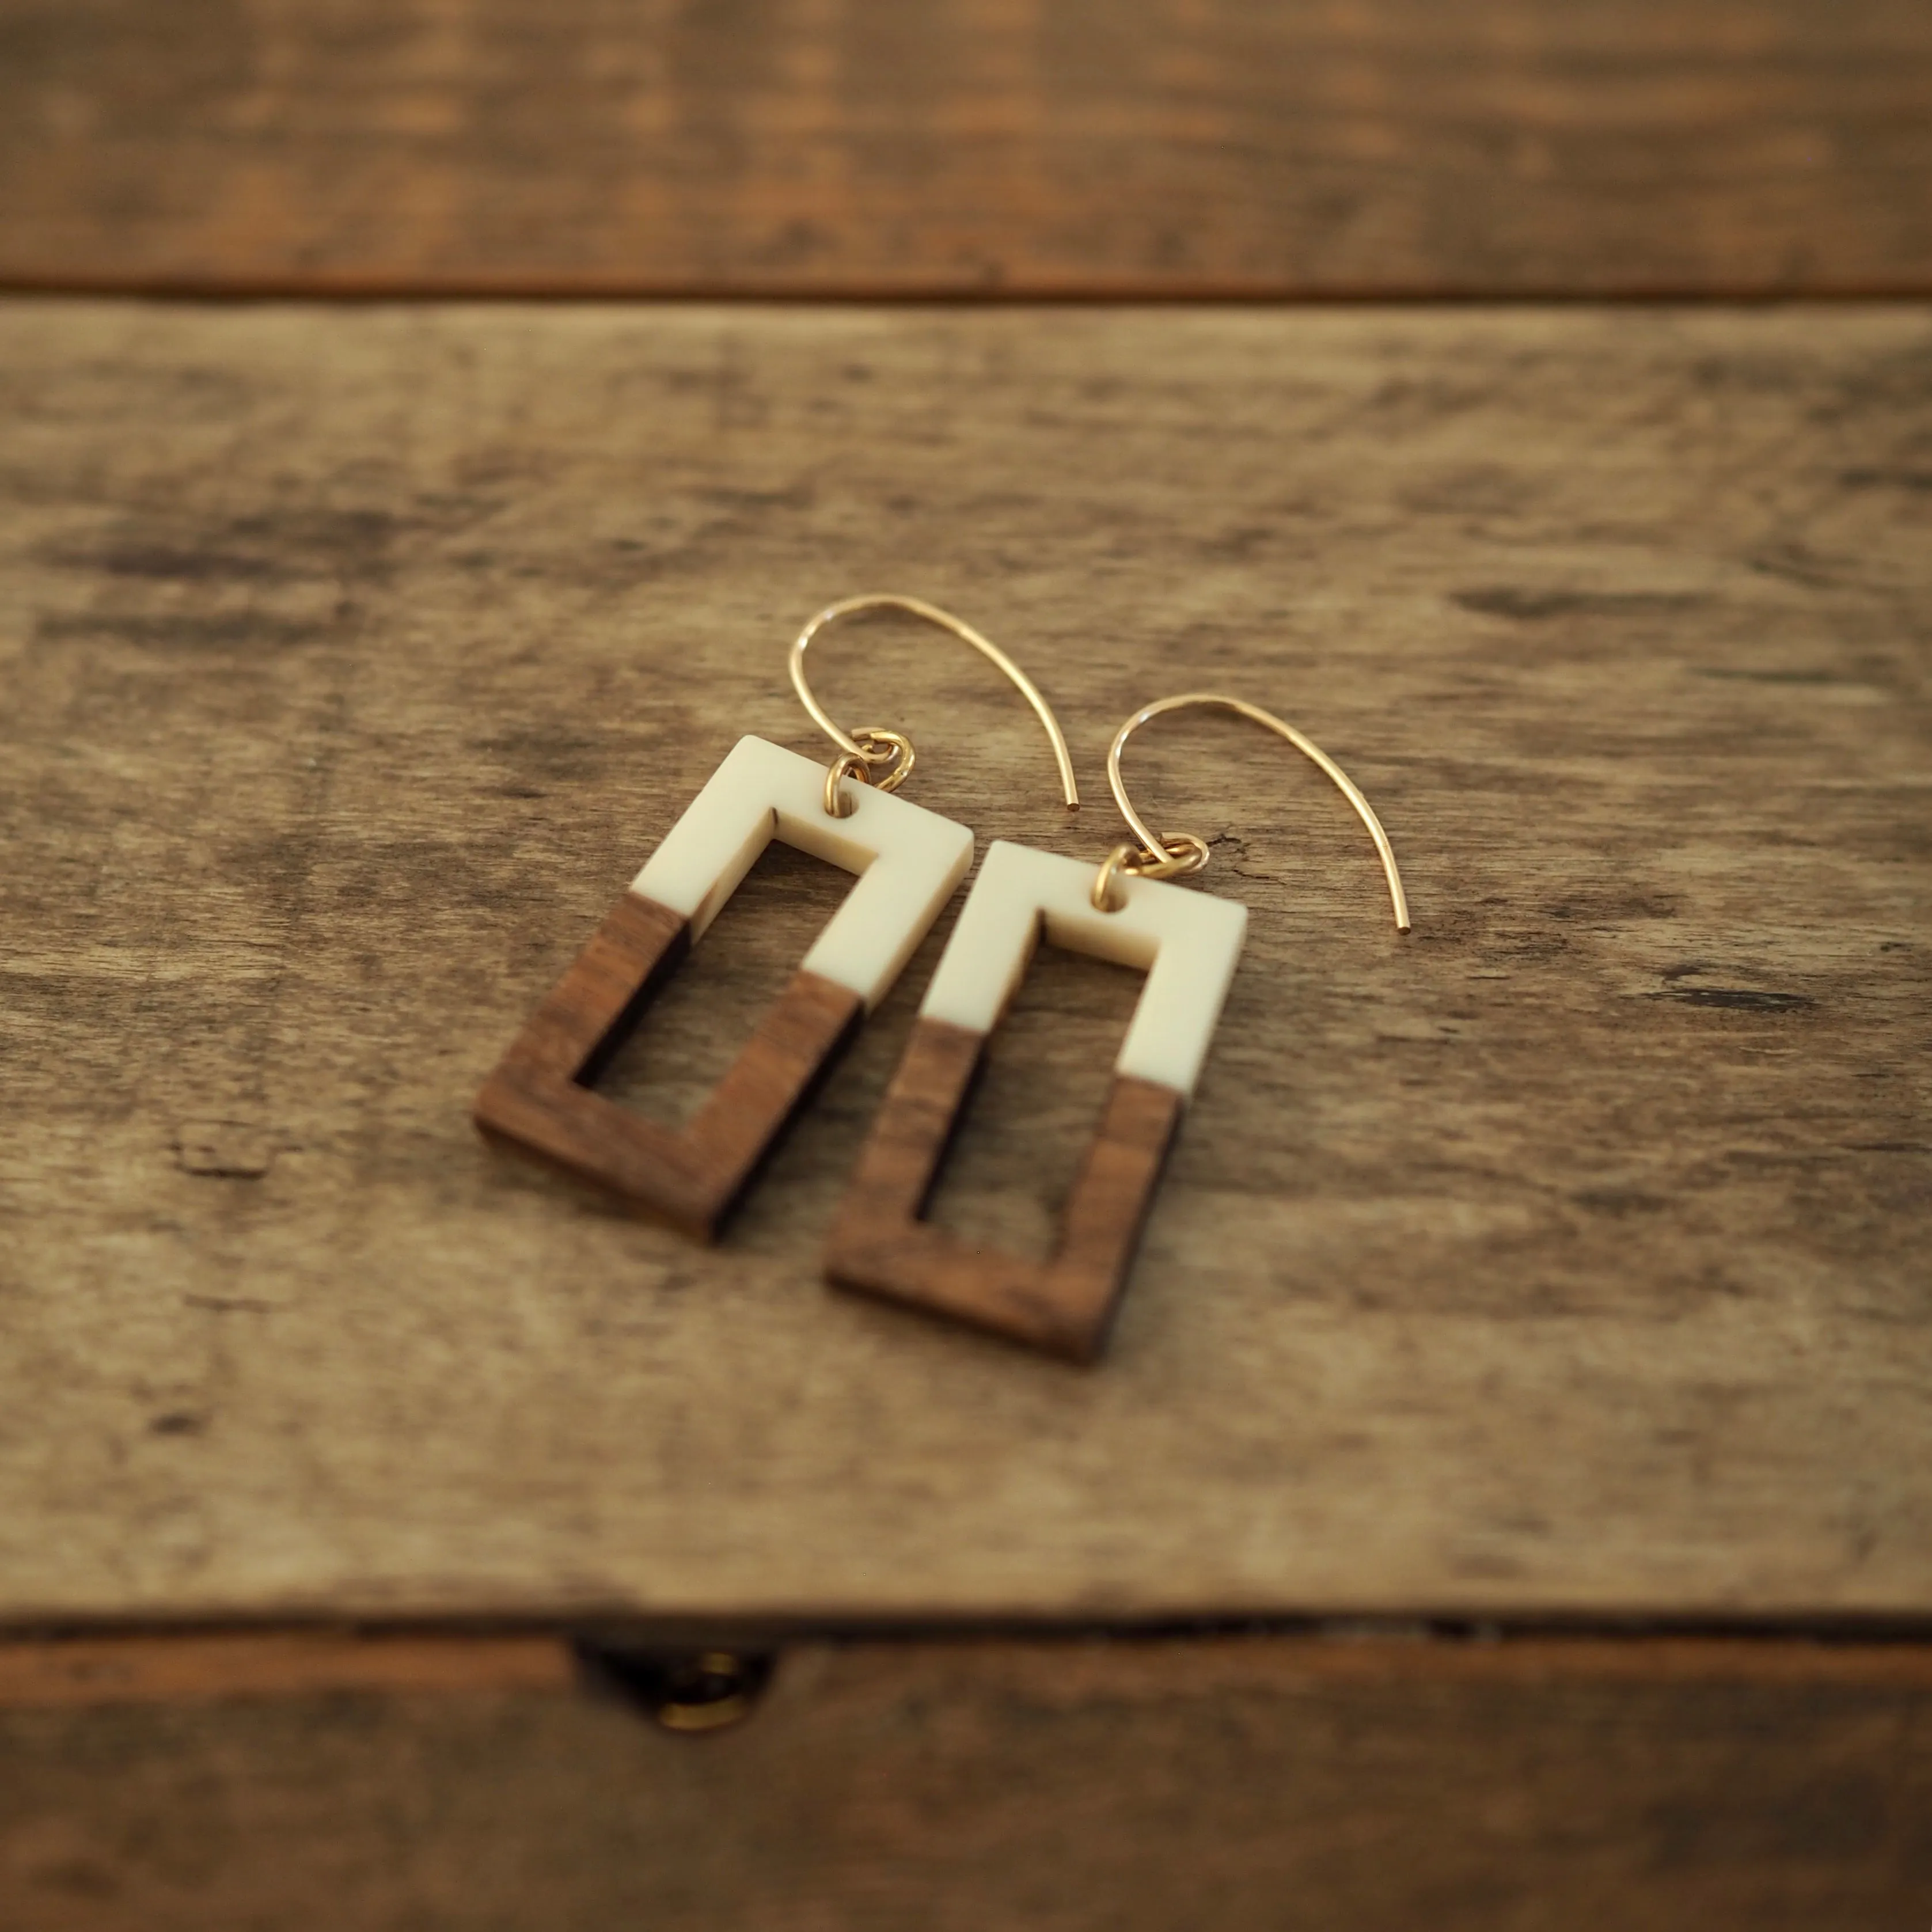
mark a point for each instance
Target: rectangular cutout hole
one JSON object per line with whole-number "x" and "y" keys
{"x": 689, "y": 1036}
{"x": 1048, "y": 1071}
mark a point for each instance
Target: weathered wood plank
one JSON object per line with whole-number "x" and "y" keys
{"x": 1569, "y": 1253}
{"x": 1373, "y": 1786}
{"x": 195, "y": 1669}
{"x": 873, "y": 146}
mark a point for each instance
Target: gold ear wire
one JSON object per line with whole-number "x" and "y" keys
{"x": 1159, "y": 858}
{"x": 891, "y": 747}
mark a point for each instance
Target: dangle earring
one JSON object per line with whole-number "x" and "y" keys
{"x": 1188, "y": 945}
{"x": 908, "y": 860}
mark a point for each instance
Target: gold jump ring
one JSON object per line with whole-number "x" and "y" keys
{"x": 1176, "y": 857}
{"x": 839, "y": 803}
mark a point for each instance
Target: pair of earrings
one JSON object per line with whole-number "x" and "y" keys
{"x": 908, "y": 861}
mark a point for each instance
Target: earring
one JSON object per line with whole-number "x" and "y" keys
{"x": 1187, "y": 945}
{"x": 909, "y": 860}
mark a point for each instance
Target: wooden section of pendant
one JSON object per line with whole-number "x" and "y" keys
{"x": 539, "y": 1099}
{"x": 880, "y": 1246}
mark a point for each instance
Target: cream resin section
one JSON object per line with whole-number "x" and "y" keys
{"x": 908, "y": 859}
{"x": 1187, "y": 943}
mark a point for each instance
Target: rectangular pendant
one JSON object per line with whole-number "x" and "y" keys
{"x": 881, "y": 1244}
{"x": 539, "y": 1099}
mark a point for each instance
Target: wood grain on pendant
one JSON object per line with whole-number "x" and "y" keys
{"x": 539, "y": 1100}
{"x": 880, "y": 1246}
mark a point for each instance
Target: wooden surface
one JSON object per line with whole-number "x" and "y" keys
{"x": 875, "y": 146}
{"x": 1568, "y": 1255}
{"x": 1243, "y": 1784}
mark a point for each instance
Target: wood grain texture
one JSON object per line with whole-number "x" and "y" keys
{"x": 1362, "y": 1787}
{"x": 1566, "y": 1256}
{"x": 539, "y": 1099}
{"x": 186, "y": 1669}
{"x": 1065, "y": 1304}
{"x": 581, "y": 1024}
{"x": 876, "y": 146}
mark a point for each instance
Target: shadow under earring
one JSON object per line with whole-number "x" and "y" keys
{"x": 539, "y": 1100}
{"x": 1187, "y": 944}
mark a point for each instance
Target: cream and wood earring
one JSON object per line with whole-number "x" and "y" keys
{"x": 908, "y": 861}
{"x": 1188, "y": 945}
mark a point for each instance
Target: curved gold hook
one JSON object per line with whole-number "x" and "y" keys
{"x": 1163, "y": 858}
{"x": 917, "y": 607}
